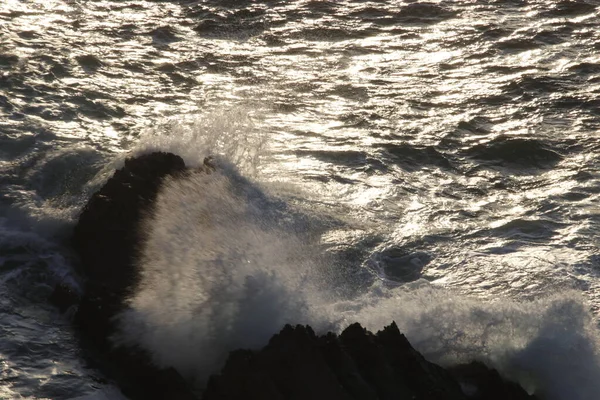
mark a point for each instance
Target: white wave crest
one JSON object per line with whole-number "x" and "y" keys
{"x": 230, "y": 133}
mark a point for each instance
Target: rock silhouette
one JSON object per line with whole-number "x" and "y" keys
{"x": 106, "y": 238}
{"x": 357, "y": 364}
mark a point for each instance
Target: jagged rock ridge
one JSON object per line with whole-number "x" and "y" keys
{"x": 357, "y": 364}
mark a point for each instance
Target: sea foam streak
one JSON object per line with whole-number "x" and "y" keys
{"x": 224, "y": 267}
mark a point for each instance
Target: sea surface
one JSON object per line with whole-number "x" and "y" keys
{"x": 433, "y": 163}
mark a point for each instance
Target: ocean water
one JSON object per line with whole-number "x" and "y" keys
{"x": 433, "y": 163}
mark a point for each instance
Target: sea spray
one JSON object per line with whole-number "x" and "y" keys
{"x": 550, "y": 346}
{"x": 225, "y": 266}
{"x": 219, "y": 271}
{"x": 228, "y": 132}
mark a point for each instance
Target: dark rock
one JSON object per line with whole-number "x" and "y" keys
{"x": 106, "y": 239}
{"x": 297, "y": 364}
{"x": 64, "y": 296}
{"x": 107, "y": 233}
{"x": 291, "y": 366}
{"x": 483, "y": 383}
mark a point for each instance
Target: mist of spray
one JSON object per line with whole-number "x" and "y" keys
{"x": 550, "y": 346}
{"x": 229, "y": 133}
{"x": 218, "y": 274}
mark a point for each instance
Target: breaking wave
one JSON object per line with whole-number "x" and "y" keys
{"x": 225, "y": 266}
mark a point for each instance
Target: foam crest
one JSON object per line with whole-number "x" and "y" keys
{"x": 229, "y": 132}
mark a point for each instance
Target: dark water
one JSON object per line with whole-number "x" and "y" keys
{"x": 435, "y": 163}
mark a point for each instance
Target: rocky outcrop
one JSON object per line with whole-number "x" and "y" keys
{"x": 107, "y": 233}
{"x": 106, "y": 238}
{"x": 297, "y": 364}
{"x": 483, "y": 383}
